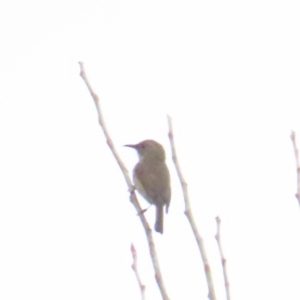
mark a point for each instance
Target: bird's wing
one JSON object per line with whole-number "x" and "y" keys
{"x": 153, "y": 183}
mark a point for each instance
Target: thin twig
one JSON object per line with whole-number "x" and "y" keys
{"x": 188, "y": 213}
{"x": 136, "y": 272}
{"x": 223, "y": 259}
{"x": 293, "y": 138}
{"x": 133, "y": 198}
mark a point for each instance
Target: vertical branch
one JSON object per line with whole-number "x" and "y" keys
{"x": 133, "y": 198}
{"x": 136, "y": 272}
{"x": 296, "y": 151}
{"x": 223, "y": 259}
{"x": 189, "y": 215}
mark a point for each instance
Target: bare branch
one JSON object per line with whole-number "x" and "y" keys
{"x": 293, "y": 138}
{"x": 188, "y": 213}
{"x": 223, "y": 259}
{"x": 136, "y": 272}
{"x": 133, "y": 198}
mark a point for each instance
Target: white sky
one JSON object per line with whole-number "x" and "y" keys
{"x": 228, "y": 74}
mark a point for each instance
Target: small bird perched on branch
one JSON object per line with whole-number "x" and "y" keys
{"x": 151, "y": 178}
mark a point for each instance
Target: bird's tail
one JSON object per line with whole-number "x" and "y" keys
{"x": 159, "y": 223}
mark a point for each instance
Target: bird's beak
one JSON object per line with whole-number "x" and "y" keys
{"x": 131, "y": 146}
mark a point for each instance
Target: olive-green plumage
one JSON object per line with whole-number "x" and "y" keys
{"x": 151, "y": 178}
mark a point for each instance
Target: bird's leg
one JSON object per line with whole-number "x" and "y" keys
{"x": 144, "y": 210}
{"x": 132, "y": 190}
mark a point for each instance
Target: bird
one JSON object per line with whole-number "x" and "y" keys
{"x": 151, "y": 178}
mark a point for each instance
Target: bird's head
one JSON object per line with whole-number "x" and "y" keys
{"x": 149, "y": 149}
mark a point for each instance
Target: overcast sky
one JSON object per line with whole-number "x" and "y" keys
{"x": 228, "y": 74}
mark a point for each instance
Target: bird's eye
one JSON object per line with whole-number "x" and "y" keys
{"x": 143, "y": 146}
